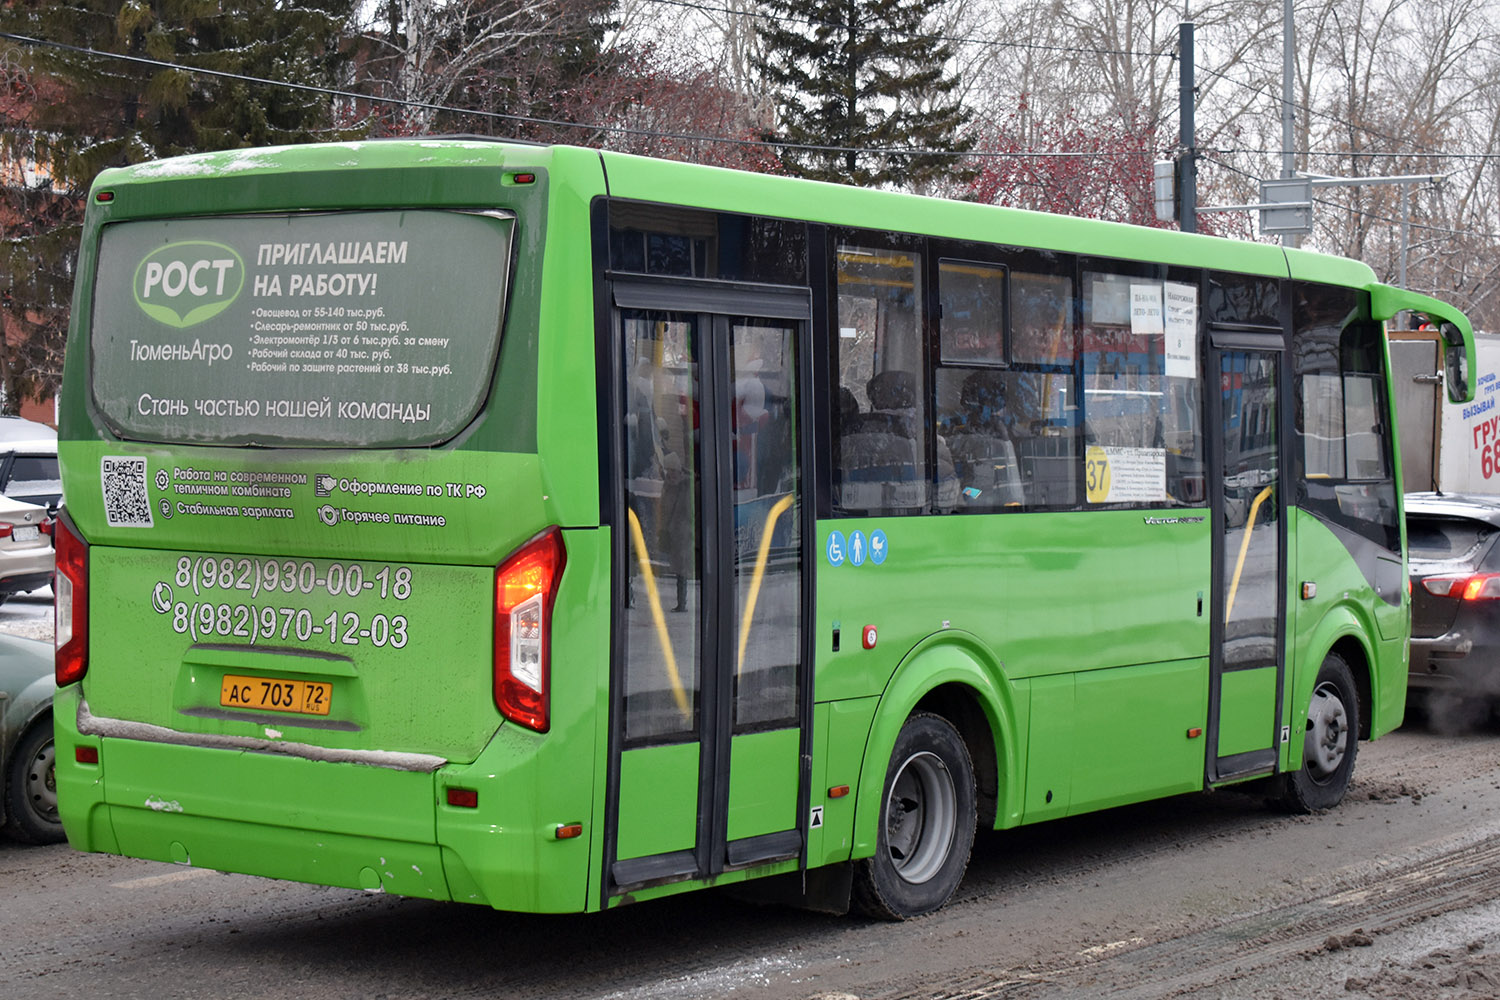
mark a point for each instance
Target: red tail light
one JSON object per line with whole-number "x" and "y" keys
{"x": 525, "y": 587}
{"x": 1478, "y": 587}
{"x": 71, "y": 588}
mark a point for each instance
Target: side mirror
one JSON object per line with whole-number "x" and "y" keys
{"x": 1455, "y": 363}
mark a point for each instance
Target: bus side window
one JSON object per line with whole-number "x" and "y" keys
{"x": 1345, "y": 468}
{"x": 881, "y": 429}
{"x": 1140, "y": 408}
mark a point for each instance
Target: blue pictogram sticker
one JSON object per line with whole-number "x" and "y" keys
{"x": 857, "y": 550}
{"x": 835, "y": 548}
{"x": 878, "y": 546}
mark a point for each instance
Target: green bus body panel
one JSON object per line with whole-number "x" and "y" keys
{"x": 658, "y": 800}
{"x": 764, "y": 769}
{"x": 839, "y": 733}
{"x": 80, "y": 787}
{"x": 1309, "y": 265}
{"x": 500, "y": 502}
{"x": 1049, "y": 753}
{"x": 506, "y": 853}
{"x": 1342, "y": 614}
{"x": 264, "y": 813}
{"x": 1131, "y": 730}
{"x": 153, "y": 788}
{"x": 1129, "y": 592}
{"x": 1109, "y": 737}
{"x": 1247, "y": 710}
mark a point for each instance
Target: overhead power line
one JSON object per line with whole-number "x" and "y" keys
{"x": 1358, "y": 153}
{"x": 918, "y": 35}
{"x": 530, "y": 120}
{"x": 625, "y": 130}
{"x": 1308, "y": 109}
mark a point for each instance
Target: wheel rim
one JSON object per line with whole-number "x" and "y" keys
{"x": 1327, "y": 732}
{"x": 921, "y": 816}
{"x": 41, "y": 783}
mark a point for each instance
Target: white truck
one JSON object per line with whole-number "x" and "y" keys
{"x": 1451, "y": 447}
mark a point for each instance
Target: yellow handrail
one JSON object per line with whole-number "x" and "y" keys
{"x": 1239, "y": 565}
{"x": 760, "y": 571}
{"x": 648, "y": 578}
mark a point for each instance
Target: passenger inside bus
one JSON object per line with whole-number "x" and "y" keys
{"x": 984, "y": 458}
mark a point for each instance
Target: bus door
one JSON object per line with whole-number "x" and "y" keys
{"x": 711, "y": 682}
{"x": 1247, "y": 661}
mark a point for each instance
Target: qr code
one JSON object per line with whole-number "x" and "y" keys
{"x": 126, "y": 504}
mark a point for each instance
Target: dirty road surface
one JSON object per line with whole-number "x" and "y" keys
{"x": 1396, "y": 894}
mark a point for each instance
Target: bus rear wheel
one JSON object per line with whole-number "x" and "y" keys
{"x": 927, "y": 819}
{"x": 1330, "y": 741}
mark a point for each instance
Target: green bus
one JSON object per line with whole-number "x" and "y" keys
{"x": 622, "y": 527}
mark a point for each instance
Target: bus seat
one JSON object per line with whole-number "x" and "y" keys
{"x": 879, "y": 450}
{"x": 984, "y": 458}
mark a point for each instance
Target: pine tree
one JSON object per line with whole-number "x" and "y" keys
{"x": 67, "y": 114}
{"x": 862, "y": 75}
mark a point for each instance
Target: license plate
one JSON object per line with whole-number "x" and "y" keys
{"x": 25, "y": 532}
{"x": 276, "y": 694}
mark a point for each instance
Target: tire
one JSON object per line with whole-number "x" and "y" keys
{"x": 1330, "y": 742}
{"x": 31, "y": 788}
{"x": 927, "y": 819}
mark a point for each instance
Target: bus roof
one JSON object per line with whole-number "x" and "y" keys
{"x": 715, "y": 188}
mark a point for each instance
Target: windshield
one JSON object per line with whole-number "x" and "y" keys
{"x": 361, "y": 329}
{"x": 1437, "y": 539}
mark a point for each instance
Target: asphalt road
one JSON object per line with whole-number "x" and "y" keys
{"x": 28, "y": 614}
{"x": 1394, "y": 894}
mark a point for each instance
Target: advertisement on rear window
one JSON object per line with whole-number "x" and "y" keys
{"x": 360, "y": 329}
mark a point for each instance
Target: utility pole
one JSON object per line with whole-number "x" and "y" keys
{"x": 1187, "y": 164}
{"x": 1288, "y": 119}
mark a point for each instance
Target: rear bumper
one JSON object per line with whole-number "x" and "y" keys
{"x": 1455, "y": 662}
{"x": 25, "y": 583}
{"x": 335, "y": 823}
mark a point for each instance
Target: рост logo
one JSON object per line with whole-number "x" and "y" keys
{"x": 183, "y": 284}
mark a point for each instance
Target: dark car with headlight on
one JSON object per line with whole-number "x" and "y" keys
{"x": 1453, "y": 543}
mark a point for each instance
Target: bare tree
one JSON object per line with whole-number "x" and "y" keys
{"x": 424, "y": 53}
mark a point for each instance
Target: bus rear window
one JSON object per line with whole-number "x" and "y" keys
{"x": 349, "y": 329}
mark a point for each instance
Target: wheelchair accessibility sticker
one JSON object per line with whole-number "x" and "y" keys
{"x": 857, "y": 549}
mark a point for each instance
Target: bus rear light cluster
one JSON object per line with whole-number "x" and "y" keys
{"x": 525, "y": 588}
{"x": 72, "y": 606}
{"x": 1475, "y": 587}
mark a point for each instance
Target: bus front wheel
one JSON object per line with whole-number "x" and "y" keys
{"x": 1330, "y": 741}
{"x": 927, "y": 818}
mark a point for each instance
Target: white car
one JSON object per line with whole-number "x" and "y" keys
{"x": 28, "y": 470}
{"x": 26, "y": 557}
